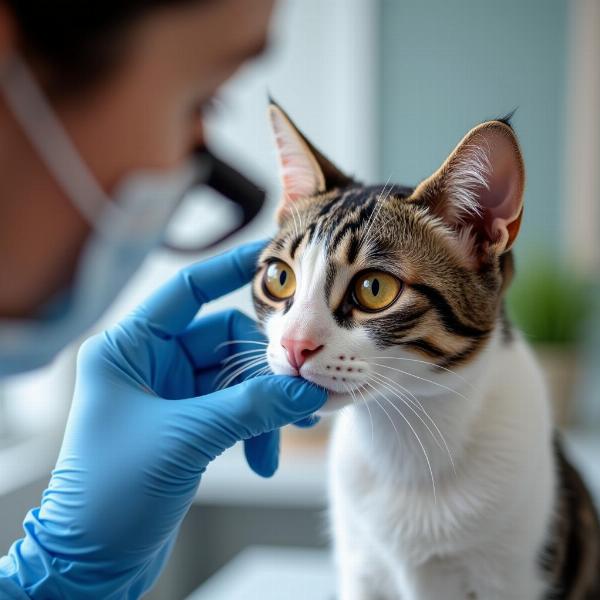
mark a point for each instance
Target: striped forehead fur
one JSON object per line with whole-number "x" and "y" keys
{"x": 370, "y": 218}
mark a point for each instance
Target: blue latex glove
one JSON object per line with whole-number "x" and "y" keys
{"x": 144, "y": 424}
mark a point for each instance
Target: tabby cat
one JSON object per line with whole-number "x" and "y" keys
{"x": 447, "y": 480}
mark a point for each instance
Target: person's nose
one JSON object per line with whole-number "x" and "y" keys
{"x": 299, "y": 350}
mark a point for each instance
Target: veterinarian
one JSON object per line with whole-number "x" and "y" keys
{"x": 100, "y": 135}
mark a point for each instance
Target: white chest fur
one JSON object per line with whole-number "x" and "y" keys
{"x": 479, "y": 535}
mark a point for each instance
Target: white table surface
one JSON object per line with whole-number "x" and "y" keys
{"x": 272, "y": 573}
{"x": 300, "y": 480}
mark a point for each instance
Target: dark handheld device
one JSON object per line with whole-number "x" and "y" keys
{"x": 233, "y": 186}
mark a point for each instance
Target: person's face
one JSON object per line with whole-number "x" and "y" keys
{"x": 145, "y": 113}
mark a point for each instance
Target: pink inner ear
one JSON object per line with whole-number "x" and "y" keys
{"x": 301, "y": 176}
{"x": 502, "y": 200}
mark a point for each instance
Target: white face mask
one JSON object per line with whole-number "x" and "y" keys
{"x": 125, "y": 227}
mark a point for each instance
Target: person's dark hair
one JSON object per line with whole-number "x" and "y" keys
{"x": 77, "y": 40}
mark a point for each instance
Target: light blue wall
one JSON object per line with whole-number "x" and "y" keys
{"x": 448, "y": 64}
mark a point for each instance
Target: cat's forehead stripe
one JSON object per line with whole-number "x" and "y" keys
{"x": 295, "y": 243}
{"x": 330, "y": 276}
{"x": 354, "y": 224}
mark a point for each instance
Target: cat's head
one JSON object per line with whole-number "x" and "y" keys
{"x": 356, "y": 273}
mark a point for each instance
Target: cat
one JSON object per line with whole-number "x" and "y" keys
{"x": 447, "y": 480}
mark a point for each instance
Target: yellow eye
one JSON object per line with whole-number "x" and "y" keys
{"x": 279, "y": 280}
{"x": 376, "y": 290}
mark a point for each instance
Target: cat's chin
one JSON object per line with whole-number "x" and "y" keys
{"x": 336, "y": 398}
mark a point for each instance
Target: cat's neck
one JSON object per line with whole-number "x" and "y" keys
{"x": 417, "y": 420}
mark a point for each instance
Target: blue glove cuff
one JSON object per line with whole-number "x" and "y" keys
{"x": 29, "y": 572}
{"x": 9, "y": 586}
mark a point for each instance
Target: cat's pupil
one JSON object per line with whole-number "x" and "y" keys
{"x": 375, "y": 287}
{"x": 282, "y": 278}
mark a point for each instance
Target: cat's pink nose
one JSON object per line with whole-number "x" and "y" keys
{"x": 299, "y": 350}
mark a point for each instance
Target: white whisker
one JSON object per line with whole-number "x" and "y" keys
{"x": 238, "y": 362}
{"x": 385, "y": 411}
{"x": 441, "y": 385}
{"x": 415, "y": 434}
{"x": 369, "y": 411}
{"x": 376, "y": 210}
{"x": 426, "y": 362}
{"x": 237, "y": 374}
{"x": 237, "y": 354}
{"x": 416, "y": 401}
{"x": 232, "y": 376}
{"x": 355, "y": 403}
{"x": 264, "y": 371}
{"x": 301, "y": 224}
{"x": 403, "y": 398}
{"x": 381, "y": 194}
{"x": 351, "y": 393}
{"x": 228, "y": 343}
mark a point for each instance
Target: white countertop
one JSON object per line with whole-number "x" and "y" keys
{"x": 272, "y": 573}
{"x": 300, "y": 480}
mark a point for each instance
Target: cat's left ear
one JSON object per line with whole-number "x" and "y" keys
{"x": 480, "y": 186}
{"x": 305, "y": 172}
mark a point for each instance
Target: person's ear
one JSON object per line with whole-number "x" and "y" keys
{"x": 7, "y": 33}
{"x": 479, "y": 188}
{"x": 304, "y": 171}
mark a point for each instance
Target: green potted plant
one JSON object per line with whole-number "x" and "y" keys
{"x": 550, "y": 305}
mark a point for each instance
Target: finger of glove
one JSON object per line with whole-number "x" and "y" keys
{"x": 262, "y": 453}
{"x": 246, "y": 410}
{"x": 170, "y": 309}
{"x": 307, "y": 422}
{"x": 214, "y": 338}
{"x": 265, "y": 403}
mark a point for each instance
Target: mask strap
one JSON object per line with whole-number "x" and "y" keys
{"x": 48, "y": 136}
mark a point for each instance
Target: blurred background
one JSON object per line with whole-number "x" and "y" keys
{"x": 386, "y": 88}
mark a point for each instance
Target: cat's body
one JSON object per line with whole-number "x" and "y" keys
{"x": 483, "y": 530}
{"x": 444, "y": 479}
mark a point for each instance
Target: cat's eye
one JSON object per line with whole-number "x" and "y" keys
{"x": 376, "y": 290}
{"x": 279, "y": 280}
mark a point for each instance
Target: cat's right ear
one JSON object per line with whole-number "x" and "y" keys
{"x": 479, "y": 188}
{"x": 305, "y": 172}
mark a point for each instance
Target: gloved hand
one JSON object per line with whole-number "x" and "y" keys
{"x": 144, "y": 424}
